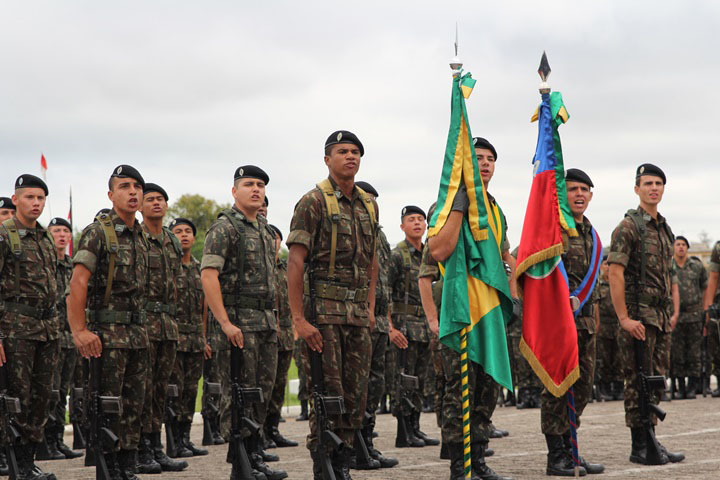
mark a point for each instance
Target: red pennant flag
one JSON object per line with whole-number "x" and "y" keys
{"x": 43, "y": 166}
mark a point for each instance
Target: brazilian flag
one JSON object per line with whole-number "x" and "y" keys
{"x": 476, "y": 295}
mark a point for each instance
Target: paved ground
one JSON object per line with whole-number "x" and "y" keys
{"x": 691, "y": 426}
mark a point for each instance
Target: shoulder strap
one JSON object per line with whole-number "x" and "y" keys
{"x": 112, "y": 247}
{"x": 333, "y": 209}
{"x": 16, "y": 248}
{"x": 240, "y": 229}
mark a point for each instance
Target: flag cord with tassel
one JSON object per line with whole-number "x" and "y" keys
{"x": 465, "y": 402}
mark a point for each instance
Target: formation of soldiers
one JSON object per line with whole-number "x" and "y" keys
{"x": 361, "y": 319}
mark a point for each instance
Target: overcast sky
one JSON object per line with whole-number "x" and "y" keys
{"x": 188, "y": 91}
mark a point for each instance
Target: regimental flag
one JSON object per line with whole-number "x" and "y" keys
{"x": 476, "y": 293}
{"x": 43, "y": 166}
{"x": 549, "y": 340}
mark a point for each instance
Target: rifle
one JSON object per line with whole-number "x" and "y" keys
{"x": 77, "y": 414}
{"x": 100, "y": 438}
{"x": 171, "y": 420}
{"x": 362, "y": 455}
{"x": 241, "y": 398}
{"x": 713, "y": 314}
{"x": 323, "y": 404}
{"x": 210, "y": 410}
{"x": 9, "y": 407}
{"x": 407, "y": 384}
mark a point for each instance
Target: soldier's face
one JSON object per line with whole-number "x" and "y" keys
{"x": 126, "y": 195}
{"x": 650, "y": 190}
{"x": 154, "y": 205}
{"x": 29, "y": 203}
{"x": 604, "y": 270}
{"x": 343, "y": 161}
{"x": 486, "y": 162}
{"x": 249, "y": 194}
{"x": 413, "y": 226}
{"x": 579, "y": 196}
{"x": 681, "y": 248}
{"x": 263, "y": 211}
{"x": 184, "y": 233}
{"x": 6, "y": 213}
{"x": 61, "y": 235}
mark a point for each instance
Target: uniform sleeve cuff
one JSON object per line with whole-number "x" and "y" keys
{"x": 86, "y": 259}
{"x": 619, "y": 258}
{"x": 212, "y": 261}
{"x": 301, "y": 237}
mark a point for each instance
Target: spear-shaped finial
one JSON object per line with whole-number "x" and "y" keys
{"x": 544, "y": 72}
{"x": 456, "y": 64}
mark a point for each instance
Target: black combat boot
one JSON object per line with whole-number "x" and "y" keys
{"x": 385, "y": 462}
{"x": 28, "y": 469}
{"x": 559, "y": 461}
{"x": 682, "y": 389}
{"x": 692, "y": 388}
{"x": 62, "y": 448}
{"x": 405, "y": 436}
{"x": 605, "y": 391}
{"x": 638, "y": 452}
{"x": 497, "y": 432}
{"x": 479, "y": 467}
{"x": 619, "y": 390}
{"x": 4, "y": 469}
{"x": 273, "y": 433}
{"x": 146, "y": 460}
{"x": 181, "y": 450}
{"x": 383, "y": 406}
{"x": 444, "y": 452}
{"x": 166, "y": 463}
{"x": 590, "y": 468}
{"x": 523, "y": 398}
{"x": 47, "y": 449}
{"x": 127, "y": 461}
{"x": 535, "y": 396}
{"x": 419, "y": 433}
{"x": 303, "y": 412}
{"x": 187, "y": 443}
{"x": 487, "y": 451}
{"x": 360, "y": 458}
{"x": 257, "y": 462}
{"x": 510, "y": 399}
{"x": 457, "y": 461}
{"x": 672, "y": 457}
{"x": 267, "y": 457}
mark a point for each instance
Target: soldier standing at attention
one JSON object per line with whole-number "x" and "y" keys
{"x": 192, "y": 334}
{"x": 692, "y": 280}
{"x": 610, "y": 378}
{"x": 641, "y": 290}
{"x": 712, "y": 325}
{"x": 7, "y": 208}
{"x": 577, "y": 259}
{"x": 238, "y": 277}
{"x": 61, "y": 230}
{"x": 334, "y": 232}
{"x": 115, "y": 302}
{"x": 28, "y": 317}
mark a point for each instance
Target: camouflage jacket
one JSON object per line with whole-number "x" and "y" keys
{"x": 604, "y": 304}
{"x": 246, "y": 262}
{"x": 164, "y": 266}
{"x": 356, "y": 235}
{"x": 28, "y": 307}
{"x": 190, "y": 305}
{"x": 655, "y": 295}
{"x": 286, "y": 337}
{"x": 715, "y": 267}
{"x": 577, "y": 260}
{"x": 129, "y": 286}
{"x": 64, "y": 272}
{"x": 382, "y": 289}
{"x": 692, "y": 280}
{"x": 405, "y": 293}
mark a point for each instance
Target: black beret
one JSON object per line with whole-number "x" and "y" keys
{"x": 154, "y": 187}
{"x": 60, "y": 222}
{"x": 431, "y": 210}
{"x": 182, "y": 221}
{"x": 366, "y": 187}
{"x": 277, "y": 231}
{"x": 680, "y": 237}
{"x": 605, "y": 252}
{"x": 102, "y": 211}
{"x": 31, "y": 181}
{"x": 6, "y": 202}
{"x": 650, "y": 169}
{"x": 577, "y": 175}
{"x": 266, "y": 202}
{"x": 411, "y": 210}
{"x": 343, "y": 136}
{"x": 126, "y": 171}
{"x": 251, "y": 171}
{"x": 479, "y": 142}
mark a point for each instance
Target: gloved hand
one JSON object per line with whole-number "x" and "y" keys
{"x": 461, "y": 201}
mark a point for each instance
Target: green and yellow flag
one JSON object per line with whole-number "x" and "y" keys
{"x": 476, "y": 294}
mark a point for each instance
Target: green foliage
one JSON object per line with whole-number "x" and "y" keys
{"x": 201, "y": 211}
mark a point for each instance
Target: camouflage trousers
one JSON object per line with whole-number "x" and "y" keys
{"x": 686, "y": 349}
{"x": 608, "y": 359}
{"x": 124, "y": 372}
{"x": 161, "y": 362}
{"x": 554, "y": 419}
{"x": 63, "y": 380}
{"x": 346, "y": 367}
{"x": 390, "y": 372}
{"x": 302, "y": 379}
{"x": 210, "y": 374}
{"x": 417, "y": 361}
{"x": 30, "y": 368}
{"x": 376, "y": 380}
{"x": 653, "y": 338}
{"x": 277, "y": 397}
{"x": 713, "y": 347}
{"x": 439, "y": 378}
{"x": 483, "y": 393}
{"x": 523, "y": 371}
{"x": 259, "y": 370}
{"x": 186, "y": 375}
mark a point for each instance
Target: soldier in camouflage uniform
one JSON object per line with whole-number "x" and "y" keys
{"x": 192, "y": 344}
{"x": 28, "y": 317}
{"x": 341, "y": 281}
{"x": 164, "y": 267}
{"x": 692, "y": 280}
{"x": 610, "y": 379}
{"x": 482, "y": 388}
{"x": 302, "y": 380}
{"x": 61, "y": 230}
{"x": 577, "y": 258}
{"x": 642, "y": 308}
{"x": 115, "y": 309}
{"x": 285, "y": 351}
{"x": 712, "y": 325}
{"x": 239, "y": 281}
{"x": 7, "y": 208}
